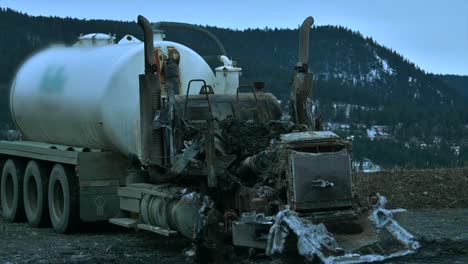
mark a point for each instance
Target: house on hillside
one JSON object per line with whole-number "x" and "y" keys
{"x": 366, "y": 165}
{"x": 379, "y": 132}
{"x": 455, "y": 150}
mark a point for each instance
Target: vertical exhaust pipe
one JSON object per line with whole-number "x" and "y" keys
{"x": 300, "y": 107}
{"x": 151, "y": 143}
{"x": 304, "y": 41}
{"x": 149, "y": 45}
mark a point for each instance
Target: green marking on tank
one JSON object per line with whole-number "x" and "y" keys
{"x": 53, "y": 80}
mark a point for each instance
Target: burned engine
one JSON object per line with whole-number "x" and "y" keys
{"x": 235, "y": 169}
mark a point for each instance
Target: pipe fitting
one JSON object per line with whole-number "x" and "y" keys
{"x": 225, "y": 60}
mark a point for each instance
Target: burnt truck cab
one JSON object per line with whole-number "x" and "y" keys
{"x": 315, "y": 179}
{"x": 318, "y": 216}
{"x": 230, "y": 167}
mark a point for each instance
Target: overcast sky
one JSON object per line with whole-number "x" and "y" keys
{"x": 431, "y": 33}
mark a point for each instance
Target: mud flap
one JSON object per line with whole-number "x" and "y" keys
{"x": 382, "y": 238}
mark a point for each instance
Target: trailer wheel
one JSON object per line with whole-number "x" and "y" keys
{"x": 63, "y": 199}
{"x": 35, "y": 187}
{"x": 11, "y": 190}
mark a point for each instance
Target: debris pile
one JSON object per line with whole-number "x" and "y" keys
{"x": 248, "y": 137}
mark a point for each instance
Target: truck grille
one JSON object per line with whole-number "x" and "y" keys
{"x": 319, "y": 180}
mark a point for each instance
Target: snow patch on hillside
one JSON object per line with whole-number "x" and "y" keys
{"x": 385, "y": 65}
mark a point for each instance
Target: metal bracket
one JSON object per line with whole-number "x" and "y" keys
{"x": 181, "y": 163}
{"x": 322, "y": 184}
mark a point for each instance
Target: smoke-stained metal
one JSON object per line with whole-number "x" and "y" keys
{"x": 179, "y": 214}
{"x": 171, "y": 71}
{"x": 301, "y": 94}
{"x": 210, "y": 155}
{"x": 150, "y": 102}
{"x": 151, "y": 141}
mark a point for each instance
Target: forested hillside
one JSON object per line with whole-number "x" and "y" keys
{"x": 460, "y": 83}
{"x": 357, "y": 81}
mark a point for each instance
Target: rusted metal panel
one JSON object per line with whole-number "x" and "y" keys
{"x": 224, "y": 106}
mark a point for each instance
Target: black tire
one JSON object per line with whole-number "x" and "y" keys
{"x": 2, "y": 162}
{"x": 63, "y": 199}
{"x": 36, "y": 184}
{"x": 11, "y": 191}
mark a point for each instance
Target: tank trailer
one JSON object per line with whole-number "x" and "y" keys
{"x": 145, "y": 135}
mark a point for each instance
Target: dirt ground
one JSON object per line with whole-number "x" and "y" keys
{"x": 417, "y": 189}
{"x": 97, "y": 243}
{"x": 443, "y": 232}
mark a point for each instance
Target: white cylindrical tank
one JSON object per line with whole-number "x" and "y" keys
{"x": 89, "y": 96}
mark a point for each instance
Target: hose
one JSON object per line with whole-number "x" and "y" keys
{"x": 220, "y": 47}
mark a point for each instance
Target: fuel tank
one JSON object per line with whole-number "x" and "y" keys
{"x": 89, "y": 96}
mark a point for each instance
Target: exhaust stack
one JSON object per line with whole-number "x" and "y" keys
{"x": 301, "y": 94}
{"x": 149, "y": 45}
{"x": 152, "y": 141}
{"x": 304, "y": 41}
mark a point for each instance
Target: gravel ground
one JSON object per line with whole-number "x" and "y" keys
{"x": 443, "y": 233}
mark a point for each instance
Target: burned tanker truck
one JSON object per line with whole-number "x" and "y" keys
{"x": 145, "y": 135}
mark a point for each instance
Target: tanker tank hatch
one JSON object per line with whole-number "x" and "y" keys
{"x": 128, "y": 39}
{"x": 95, "y": 39}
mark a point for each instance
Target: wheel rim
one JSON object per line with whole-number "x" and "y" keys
{"x": 9, "y": 190}
{"x": 58, "y": 200}
{"x": 32, "y": 193}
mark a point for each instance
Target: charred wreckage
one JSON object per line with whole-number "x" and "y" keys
{"x": 219, "y": 163}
